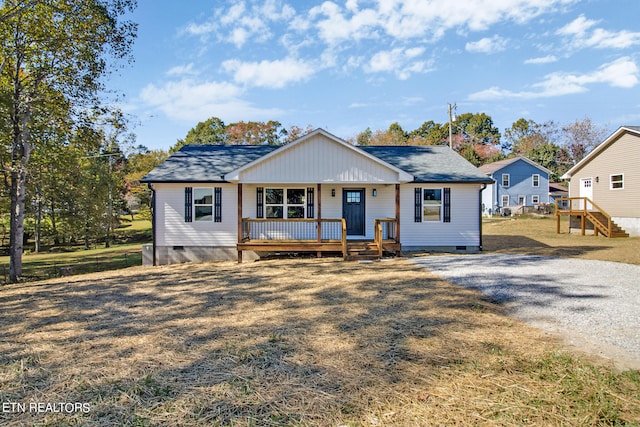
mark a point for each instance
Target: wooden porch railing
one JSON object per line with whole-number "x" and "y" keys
{"x": 585, "y": 208}
{"x": 292, "y": 229}
{"x": 294, "y": 235}
{"x": 311, "y": 235}
{"x": 384, "y": 229}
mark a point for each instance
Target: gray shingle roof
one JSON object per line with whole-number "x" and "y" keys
{"x": 205, "y": 163}
{"x": 209, "y": 163}
{"x": 433, "y": 163}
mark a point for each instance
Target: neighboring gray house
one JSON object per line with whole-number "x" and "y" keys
{"x": 609, "y": 176}
{"x": 520, "y": 183}
{"x": 316, "y": 194}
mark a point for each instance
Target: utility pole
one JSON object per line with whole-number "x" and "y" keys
{"x": 452, "y": 118}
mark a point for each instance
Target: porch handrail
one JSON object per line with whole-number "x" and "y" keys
{"x": 377, "y": 238}
{"x": 300, "y": 229}
{"x": 587, "y": 212}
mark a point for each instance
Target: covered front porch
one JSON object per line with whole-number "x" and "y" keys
{"x": 346, "y": 229}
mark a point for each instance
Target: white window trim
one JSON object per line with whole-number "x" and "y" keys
{"x": 533, "y": 180}
{"x": 523, "y": 199}
{"x": 502, "y": 199}
{"x": 211, "y": 205}
{"x": 508, "y": 176}
{"x": 611, "y": 181}
{"x": 535, "y": 199}
{"x": 284, "y": 204}
{"x": 441, "y": 205}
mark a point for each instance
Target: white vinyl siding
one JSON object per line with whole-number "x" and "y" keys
{"x": 172, "y": 230}
{"x": 463, "y": 230}
{"x": 319, "y": 160}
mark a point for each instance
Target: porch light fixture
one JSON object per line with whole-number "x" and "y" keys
{"x": 333, "y": 192}
{"x": 374, "y": 193}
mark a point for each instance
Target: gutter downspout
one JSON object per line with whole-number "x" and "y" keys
{"x": 153, "y": 221}
{"x": 484, "y": 187}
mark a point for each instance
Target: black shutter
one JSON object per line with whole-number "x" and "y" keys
{"x": 188, "y": 204}
{"x": 310, "y": 193}
{"x": 259, "y": 202}
{"x": 417, "y": 215}
{"x": 217, "y": 204}
{"x": 446, "y": 205}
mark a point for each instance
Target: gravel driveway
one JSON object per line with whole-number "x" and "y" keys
{"x": 595, "y": 305}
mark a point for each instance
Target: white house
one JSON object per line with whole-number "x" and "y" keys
{"x": 318, "y": 194}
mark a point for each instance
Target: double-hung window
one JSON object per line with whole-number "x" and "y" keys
{"x": 535, "y": 180}
{"x": 617, "y": 182}
{"x": 506, "y": 178}
{"x": 203, "y": 204}
{"x": 284, "y": 202}
{"x": 432, "y": 204}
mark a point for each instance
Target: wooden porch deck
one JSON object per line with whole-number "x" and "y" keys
{"x": 587, "y": 211}
{"x": 313, "y": 235}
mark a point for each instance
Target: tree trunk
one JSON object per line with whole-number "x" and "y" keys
{"x": 16, "y": 234}
{"x": 21, "y": 151}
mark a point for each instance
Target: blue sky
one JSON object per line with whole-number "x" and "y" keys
{"x": 348, "y": 65}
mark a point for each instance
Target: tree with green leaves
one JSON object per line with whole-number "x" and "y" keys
{"x": 52, "y": 46}
{"x": 210, "y": 132}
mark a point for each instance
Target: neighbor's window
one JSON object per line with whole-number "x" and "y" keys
{"x": 280, "y": 200}
{"x": 535, "y": 199}
{"x": 505, "y": 200}
{"x": 505, "y": 179}
{"x": 617, "y": 182}
{"x": 535, "y": 180}
{"x": 432, "y": 204}
{"x": 203, "y": 204}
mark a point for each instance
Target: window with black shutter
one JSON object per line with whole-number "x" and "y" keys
{"x": 259, "y": 202}
{"x": 446, "y": 205}
{"x": 217, "y": 204}
{"x": 188, "y": 202}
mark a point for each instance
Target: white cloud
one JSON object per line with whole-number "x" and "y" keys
{"x": 542, "y": 60}
{"x": 622, "y": 73}
{"x": 181, "y": 70}
{"x": 192, "y": 101}
{"x": 238, "y": 24}
{"x": 398, "y": 61}
{"x": 582, "y": 34}
{"x": 487, "y": 45}
{"x": 403, "y": 20}
{"x": 270, "y": 74}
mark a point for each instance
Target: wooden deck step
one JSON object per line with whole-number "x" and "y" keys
{"x": 616, "y": 230}
{"x": 357, "y": 251}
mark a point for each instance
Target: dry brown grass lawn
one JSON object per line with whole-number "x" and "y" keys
{"x": 290, "y": 342}
{"x": 537, "y": 235}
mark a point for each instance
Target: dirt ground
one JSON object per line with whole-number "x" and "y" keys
{"x": 288, "y": 342}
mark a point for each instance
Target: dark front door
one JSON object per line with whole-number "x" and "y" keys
{"x": 353, "y": 211}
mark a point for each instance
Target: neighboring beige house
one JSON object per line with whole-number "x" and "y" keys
{"x": 610, "y": 176}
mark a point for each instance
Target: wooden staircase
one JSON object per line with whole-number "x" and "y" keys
{"x": 362, "y": 250}
{"x": 600, "y": 221}
{"x": 585, "y": 210}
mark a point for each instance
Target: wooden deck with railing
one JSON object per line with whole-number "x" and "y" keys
{"x": 313, "y": 235}
{"x": 587, "y": 211}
